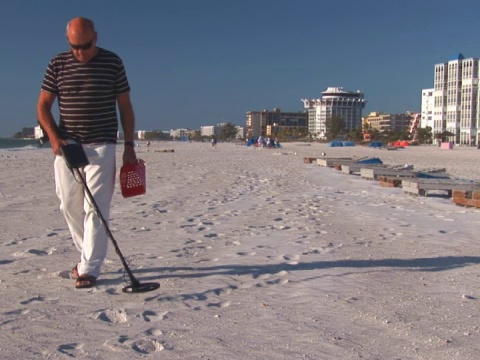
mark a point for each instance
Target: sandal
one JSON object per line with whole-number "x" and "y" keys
{"x": 85, "y": 282}
{"x": 74, "y": 273}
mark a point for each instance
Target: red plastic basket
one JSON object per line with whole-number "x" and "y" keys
{"x": 132, "y": 179}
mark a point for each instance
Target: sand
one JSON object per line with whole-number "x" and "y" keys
{"x": 259, "y": 256}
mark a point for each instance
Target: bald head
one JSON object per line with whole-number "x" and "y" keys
{"x": 82, "y": 37}
{"x": 80, "y": 27}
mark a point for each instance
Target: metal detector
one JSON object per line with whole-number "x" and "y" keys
{"x": 76, "y": 159}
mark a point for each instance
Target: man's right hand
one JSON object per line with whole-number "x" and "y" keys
{"x": 57, "y": 143}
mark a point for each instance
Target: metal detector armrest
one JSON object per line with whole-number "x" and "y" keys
{"x": 74, "y": 155}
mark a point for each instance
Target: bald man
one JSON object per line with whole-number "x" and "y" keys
{"x": 89, "y": 83}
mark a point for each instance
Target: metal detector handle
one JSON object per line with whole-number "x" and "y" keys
{"x": 74, "y": 155}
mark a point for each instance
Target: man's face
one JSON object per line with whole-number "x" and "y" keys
{"x": 83, "y": 44}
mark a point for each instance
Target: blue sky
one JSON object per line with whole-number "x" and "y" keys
{"x": 201, "y": 62}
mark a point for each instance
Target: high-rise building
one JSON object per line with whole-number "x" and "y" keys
{"x": 455, "y": 100}
{"x": 390, "y": 122}
{"x": 268, "y": 123}
{"x": 427, "y": 108}
{"x": 334, "y": 103}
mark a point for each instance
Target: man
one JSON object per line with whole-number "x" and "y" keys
{"x": 89, "y": 82}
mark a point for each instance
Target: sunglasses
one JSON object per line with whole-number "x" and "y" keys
{"x": 82, "y": 46}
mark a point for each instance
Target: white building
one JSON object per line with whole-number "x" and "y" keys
{"x": 207, "y": 130}
{"x": 335, "y": 102}
{"x": 456, "y": 102}
{"x": 38, "y": 132}
{"x": 141, "y": 134}
{"x": 427, "y": 108}
{"x": 181, "y": 134}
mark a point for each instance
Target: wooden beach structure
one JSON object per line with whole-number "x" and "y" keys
{"x": 413, "y": 182}
{"x": 423, "y": 187}
{"x": 467, "y": 198}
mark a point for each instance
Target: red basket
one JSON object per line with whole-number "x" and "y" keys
{"x": 132, "y": 179}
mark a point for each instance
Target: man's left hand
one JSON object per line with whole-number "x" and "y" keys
{"x": 129, "y": 156}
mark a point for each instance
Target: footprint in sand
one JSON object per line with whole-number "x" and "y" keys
{"x": 153, "y": 316}
{"x": 211, "y": 235}
{"x": 277, "y": 282}
{"x": 278, "y": 278}
{"x": 220, "y": 304}
{"x": 244, "y": 253}
{"x": 33, "y": 299}
{"x": 17, "y": 312}
{"x": 147, "y": 346}
{"x": 291, "y": 259}
{"x": 72, "y": 349}
{"x": 112, "y": 315}
{"x": 154, "y": 332}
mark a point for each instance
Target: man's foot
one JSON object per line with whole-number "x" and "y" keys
{"x": 74, "y": 273}
{"x": 85, "y": 282}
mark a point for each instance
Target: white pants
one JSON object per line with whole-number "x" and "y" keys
{"x": 88, "y": 233}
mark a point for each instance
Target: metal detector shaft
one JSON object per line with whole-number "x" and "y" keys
{"x": 135, "y": 282}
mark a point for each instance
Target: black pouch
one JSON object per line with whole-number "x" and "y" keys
{"x": 74, "y": 155}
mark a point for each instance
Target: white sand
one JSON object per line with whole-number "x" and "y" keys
{"x": 259, "y": 256}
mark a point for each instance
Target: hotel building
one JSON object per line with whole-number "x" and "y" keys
{"x": 267, "y": 123}
{"x": 427, "y": 108}
{"x": 335, "y": 102}
{"x": 391, "y": 122}
{"x": 456, "y": 101}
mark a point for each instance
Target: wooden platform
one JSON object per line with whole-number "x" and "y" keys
{"x": 355, "y": 168}
{"x": 375, "y": 172}
{"x": 387, "y": 181}
{"x": 329, "y": 162}
{"x": 421, "y": 187}
{"x": 467, "y": 198}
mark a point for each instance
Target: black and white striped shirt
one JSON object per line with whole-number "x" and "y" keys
{"x": 86, "y": 95}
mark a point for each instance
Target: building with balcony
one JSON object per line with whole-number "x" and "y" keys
{"x": 334, "y": 103}
{"x": 427, "y": 108}
{"x": 268, "y": 123}
{"x": 456, "y": 101}
{"x": 390, "y": 122}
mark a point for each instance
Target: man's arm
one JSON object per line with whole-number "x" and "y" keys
{"x": 127, "y": 118}
{"x": 47, "y": 122}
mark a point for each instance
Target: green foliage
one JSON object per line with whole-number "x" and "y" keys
{"x": 356, "y": 134}
{"x": 291, "y": 133}
{"x": 335, "y": 126}
{"x": 229, "y": 132}
{"x": 424, "y": 135}
{"x": 157, "y": 135}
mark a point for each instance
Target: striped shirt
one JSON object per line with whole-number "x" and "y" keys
{"x": 86, "y": 95}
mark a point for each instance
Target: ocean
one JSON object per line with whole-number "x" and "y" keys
{"x": 7, "y": 143}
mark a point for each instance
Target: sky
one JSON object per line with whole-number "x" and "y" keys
{"x": 192, "y": 63}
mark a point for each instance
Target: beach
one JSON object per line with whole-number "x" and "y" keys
{"x": 259, "y": 256}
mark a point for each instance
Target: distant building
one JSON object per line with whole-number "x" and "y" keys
{"x": 207, "y": 130}
{"x": 28, "y": 132}
{"x": 141, "y": 134}
{"x": 240, "y": 132}
{"x": 456, "y": 100}
{"x": 38, "y": 132}
{"x": 216, "y": 130}
{"x": 182, "y": 134}
{"x": 427, "y": 108}
{"x": 335, "y": 102}
{"x": 389, "y": 122}
{"x": 268, "y": 123}
{"x": 414, "y": 125}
